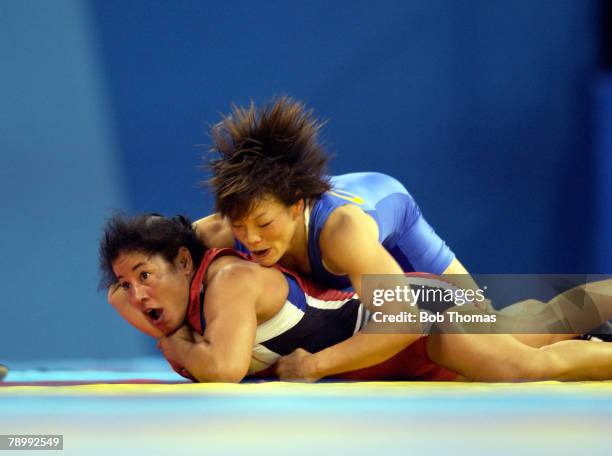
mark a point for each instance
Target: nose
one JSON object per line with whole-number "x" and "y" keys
{"x": 252, "y": 237}
{"x": 138, "y": 295}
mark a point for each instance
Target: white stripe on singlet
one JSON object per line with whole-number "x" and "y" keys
{"x": 285, "y": 319}
{"x": 261, "y": 358}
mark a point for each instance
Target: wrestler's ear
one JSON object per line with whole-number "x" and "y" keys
{"x": 297, "y": 208}
{"x": 183, "y": 261}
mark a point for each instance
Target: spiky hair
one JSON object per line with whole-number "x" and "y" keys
{"x": 273, "y": 150}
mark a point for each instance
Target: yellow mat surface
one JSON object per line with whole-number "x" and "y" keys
{"x": 378, "y": 389}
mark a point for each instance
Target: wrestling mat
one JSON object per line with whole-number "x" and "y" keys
{"x": 142, "y": 407}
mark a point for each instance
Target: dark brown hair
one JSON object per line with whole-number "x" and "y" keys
{"x": 273, "y": 150}
{"x": 151, "y": 234}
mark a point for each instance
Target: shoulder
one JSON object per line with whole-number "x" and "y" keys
{"x": 215, "y": 231}
{"x": 234, "y": 272}
{"x": 230, "y": 268}
{"x": 345, "y": 223}
{"x": 234, "y": 282}
{"x": 348, "y": 232}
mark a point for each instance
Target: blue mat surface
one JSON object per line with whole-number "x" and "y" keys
{"x": 280, "y": 418}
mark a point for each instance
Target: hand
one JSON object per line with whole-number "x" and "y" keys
{"x": 184, "y": 333}
{"x": 176, "y": 344}
{"x": 297, "y": 366}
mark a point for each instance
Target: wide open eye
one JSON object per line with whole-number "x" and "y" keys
{"x": 144, "y": 275}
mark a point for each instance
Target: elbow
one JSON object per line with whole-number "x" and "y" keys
{"x": 208, "y": 365}
{"x": 230, "y": 376}
{"x": 219, "y": 372}
{"x": 225, "y": 376}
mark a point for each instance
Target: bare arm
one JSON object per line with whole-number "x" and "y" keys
{"x": 345, "y": 229}
{"x": 462, "y": 276}
{"x": 214, "y": 231}
{"x": 223, "y": 354}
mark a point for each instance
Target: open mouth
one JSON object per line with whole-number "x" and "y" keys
{"x": 154, "y": 314}
{"x": 260, "y": 253}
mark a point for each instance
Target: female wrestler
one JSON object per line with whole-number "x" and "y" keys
{"x": 242, "y": 317}
{"x": 275, "y": 201}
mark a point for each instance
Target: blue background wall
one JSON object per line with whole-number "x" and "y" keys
{"x": 489, "y": 114}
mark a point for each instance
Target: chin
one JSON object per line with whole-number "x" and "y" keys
{"x": 267, "y": 262}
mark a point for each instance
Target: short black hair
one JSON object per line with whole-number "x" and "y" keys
{"x": 271, "y": 150}
{"x": 151, "y": 234}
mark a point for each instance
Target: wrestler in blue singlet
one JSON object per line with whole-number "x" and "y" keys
{"x": 402, "y": 230}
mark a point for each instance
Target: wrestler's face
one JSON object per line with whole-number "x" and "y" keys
{"x": 270, "y": 229}
{"x": 155, "y": 287}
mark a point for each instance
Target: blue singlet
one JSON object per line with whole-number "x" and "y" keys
{"x": 402, "y": 230}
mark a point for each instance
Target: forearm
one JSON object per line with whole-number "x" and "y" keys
{"x": 359, "y": 351}
{"x": 456, "y": 273}
{"x": 214, "y": 232}
{"x": 203, "y": 363}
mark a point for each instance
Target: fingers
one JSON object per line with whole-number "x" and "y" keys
{"x": 292, "y": 367}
